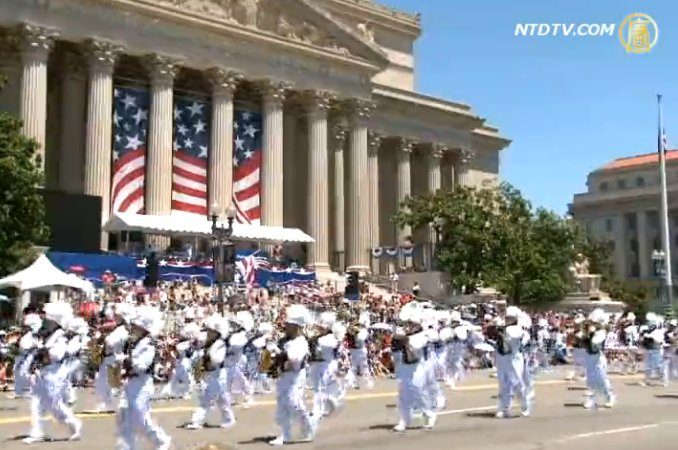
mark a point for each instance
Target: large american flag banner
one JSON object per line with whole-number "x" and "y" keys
{"x": 247, "y": 166}
{"x": 189, "y": 164}
{"x": 130, "y": 125}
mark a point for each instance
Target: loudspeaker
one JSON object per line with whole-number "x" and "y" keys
{"x": 74, "y": 221}
{"x": 152, "y": 272}
{"x": 352, "y": 286}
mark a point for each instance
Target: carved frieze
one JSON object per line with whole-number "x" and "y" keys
{"x": 265, "y": 15}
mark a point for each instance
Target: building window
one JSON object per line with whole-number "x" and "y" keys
{"x": 640, "y": 182}
{"x": 608, "y": 225}
{"x": 621, "y": 184}
{"x": 603, "y": 186}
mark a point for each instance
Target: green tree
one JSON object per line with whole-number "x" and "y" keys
{"x": 465, "y": 217}
{"x": 22, "y": 216}
{"x": 493, "y": 237}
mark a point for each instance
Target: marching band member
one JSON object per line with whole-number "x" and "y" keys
{"x": 543, "y": 341}
{"x": 672, "y": 350}
{"x": 259, "y": 378}
{"x": 323, "y": 365}
{"x": 652, "y": 339}
{"x": 578, "y": 350}
{"x": 290, "y": 364}
{"x": 212, "y": 364}
{"x": 138, "y": 362}
{"x": 442, "y": 346}
{"x": 358, "y": 336}
{"x": 114, "y": 347}
{"x": 531, "y": 361}
{"x": 48, "y": 392}
{"x": 435, "y": 397}
{"x": 597, "y": 381}
{"x": 182, "y": 381}
{"x": 236, "y": 361}
{"x": 411, "y": 371}
{"x": 510, "y": 361}
{"x": 77, "y": 330}
{"x": 631, "y": 338}
{"x": 457, "y": 352}
{"x": 28, "y": 346}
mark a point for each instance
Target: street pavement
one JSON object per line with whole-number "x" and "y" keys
{"x": 645, "y": 418}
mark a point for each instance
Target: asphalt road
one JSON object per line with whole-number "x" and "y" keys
{"x": 645, "y": 418}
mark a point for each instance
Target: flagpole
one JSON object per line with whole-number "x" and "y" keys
{"x": 667, "y": 278}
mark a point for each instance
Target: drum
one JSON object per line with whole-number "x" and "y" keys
{"x": 115, "y": 376}
{"x": 266, "y": 361}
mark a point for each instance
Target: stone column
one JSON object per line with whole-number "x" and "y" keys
{"x": 158, "y": 199}
{"x": 73, "y": 103}
{"x": 36, "y": 43}
{"x": 466, "y": 155}
{"x": 339, "y": 199}
{"x": 158, "y": 196}
{"x": 101, "y": 57}
{"x": 374, "y": 144}
{"x": 220, "y": 168}
{"x": 291, "y": 212}
{"x": 272, "y": 195}
{"x": 317, "y": 104}
{"x": 434, "y": 182}
{"x": 358, "y": 214}
{"x": 404, "y": 188}
{"x": 621, "y": 247}
{"x": 644, "y": 251}
{"x": 452, "y": 177}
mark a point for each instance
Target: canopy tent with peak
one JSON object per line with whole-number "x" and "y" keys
{"x": 43, "y": 275}
{"x": 190, "y": 225}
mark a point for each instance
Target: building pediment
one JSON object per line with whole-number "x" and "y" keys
{"x": 299, "y": 21}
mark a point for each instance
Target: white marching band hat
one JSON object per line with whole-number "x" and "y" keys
{"x": 33, "y": 322}
{"x": 297, "y": 315}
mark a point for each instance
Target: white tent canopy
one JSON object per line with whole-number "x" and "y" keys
{"x": 192, "y": 225}
{"x": 42, "y": 274}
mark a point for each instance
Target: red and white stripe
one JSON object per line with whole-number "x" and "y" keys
{"x": 127, "y": 189}
{"x": 189, "y": 184}
{"x": 247, "y": 189}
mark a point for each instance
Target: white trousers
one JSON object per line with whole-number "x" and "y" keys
{"x": 510, "y": 377}
{"x": 656, "y": 365}
{"x": 359, "y": 367}
{"x": 181, "y": 381}
{"x": 325, "y": 387}
{"x": 22, "y": 376}
{"x": 102, "y": 387}
{"x": 214, "y": 392}
{"x": 290, "y": 407}
{"x": 135, "y": 419}
{"x": 412, "y": 392}
{"x": 48, "y": 398}
{"x": 597, "y": 381}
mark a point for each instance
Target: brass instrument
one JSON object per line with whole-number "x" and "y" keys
{"x": 266, "y": 361}
{"x": 114, "y": 376}
{"x": 96, "y": 352}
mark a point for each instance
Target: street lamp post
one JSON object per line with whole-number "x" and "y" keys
{"x": 659, "y": 264}
{"x": 221, "y": 237}
{"x": 437, "y": 228}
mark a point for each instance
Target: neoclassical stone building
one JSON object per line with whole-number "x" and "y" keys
{"x": 622, "y": 206}
{"x": 345, "y": 135}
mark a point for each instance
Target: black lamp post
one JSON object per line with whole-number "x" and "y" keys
{"x": 221, "y": 238}
{"x": 437, "y": 228}
{"x": 659, "y": 264}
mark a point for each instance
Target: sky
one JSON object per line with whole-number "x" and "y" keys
{"x": 569, "y": 104}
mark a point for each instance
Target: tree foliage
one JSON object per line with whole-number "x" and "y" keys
{"x": 22, "y": 216}
{"x": 494, "y": 237}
